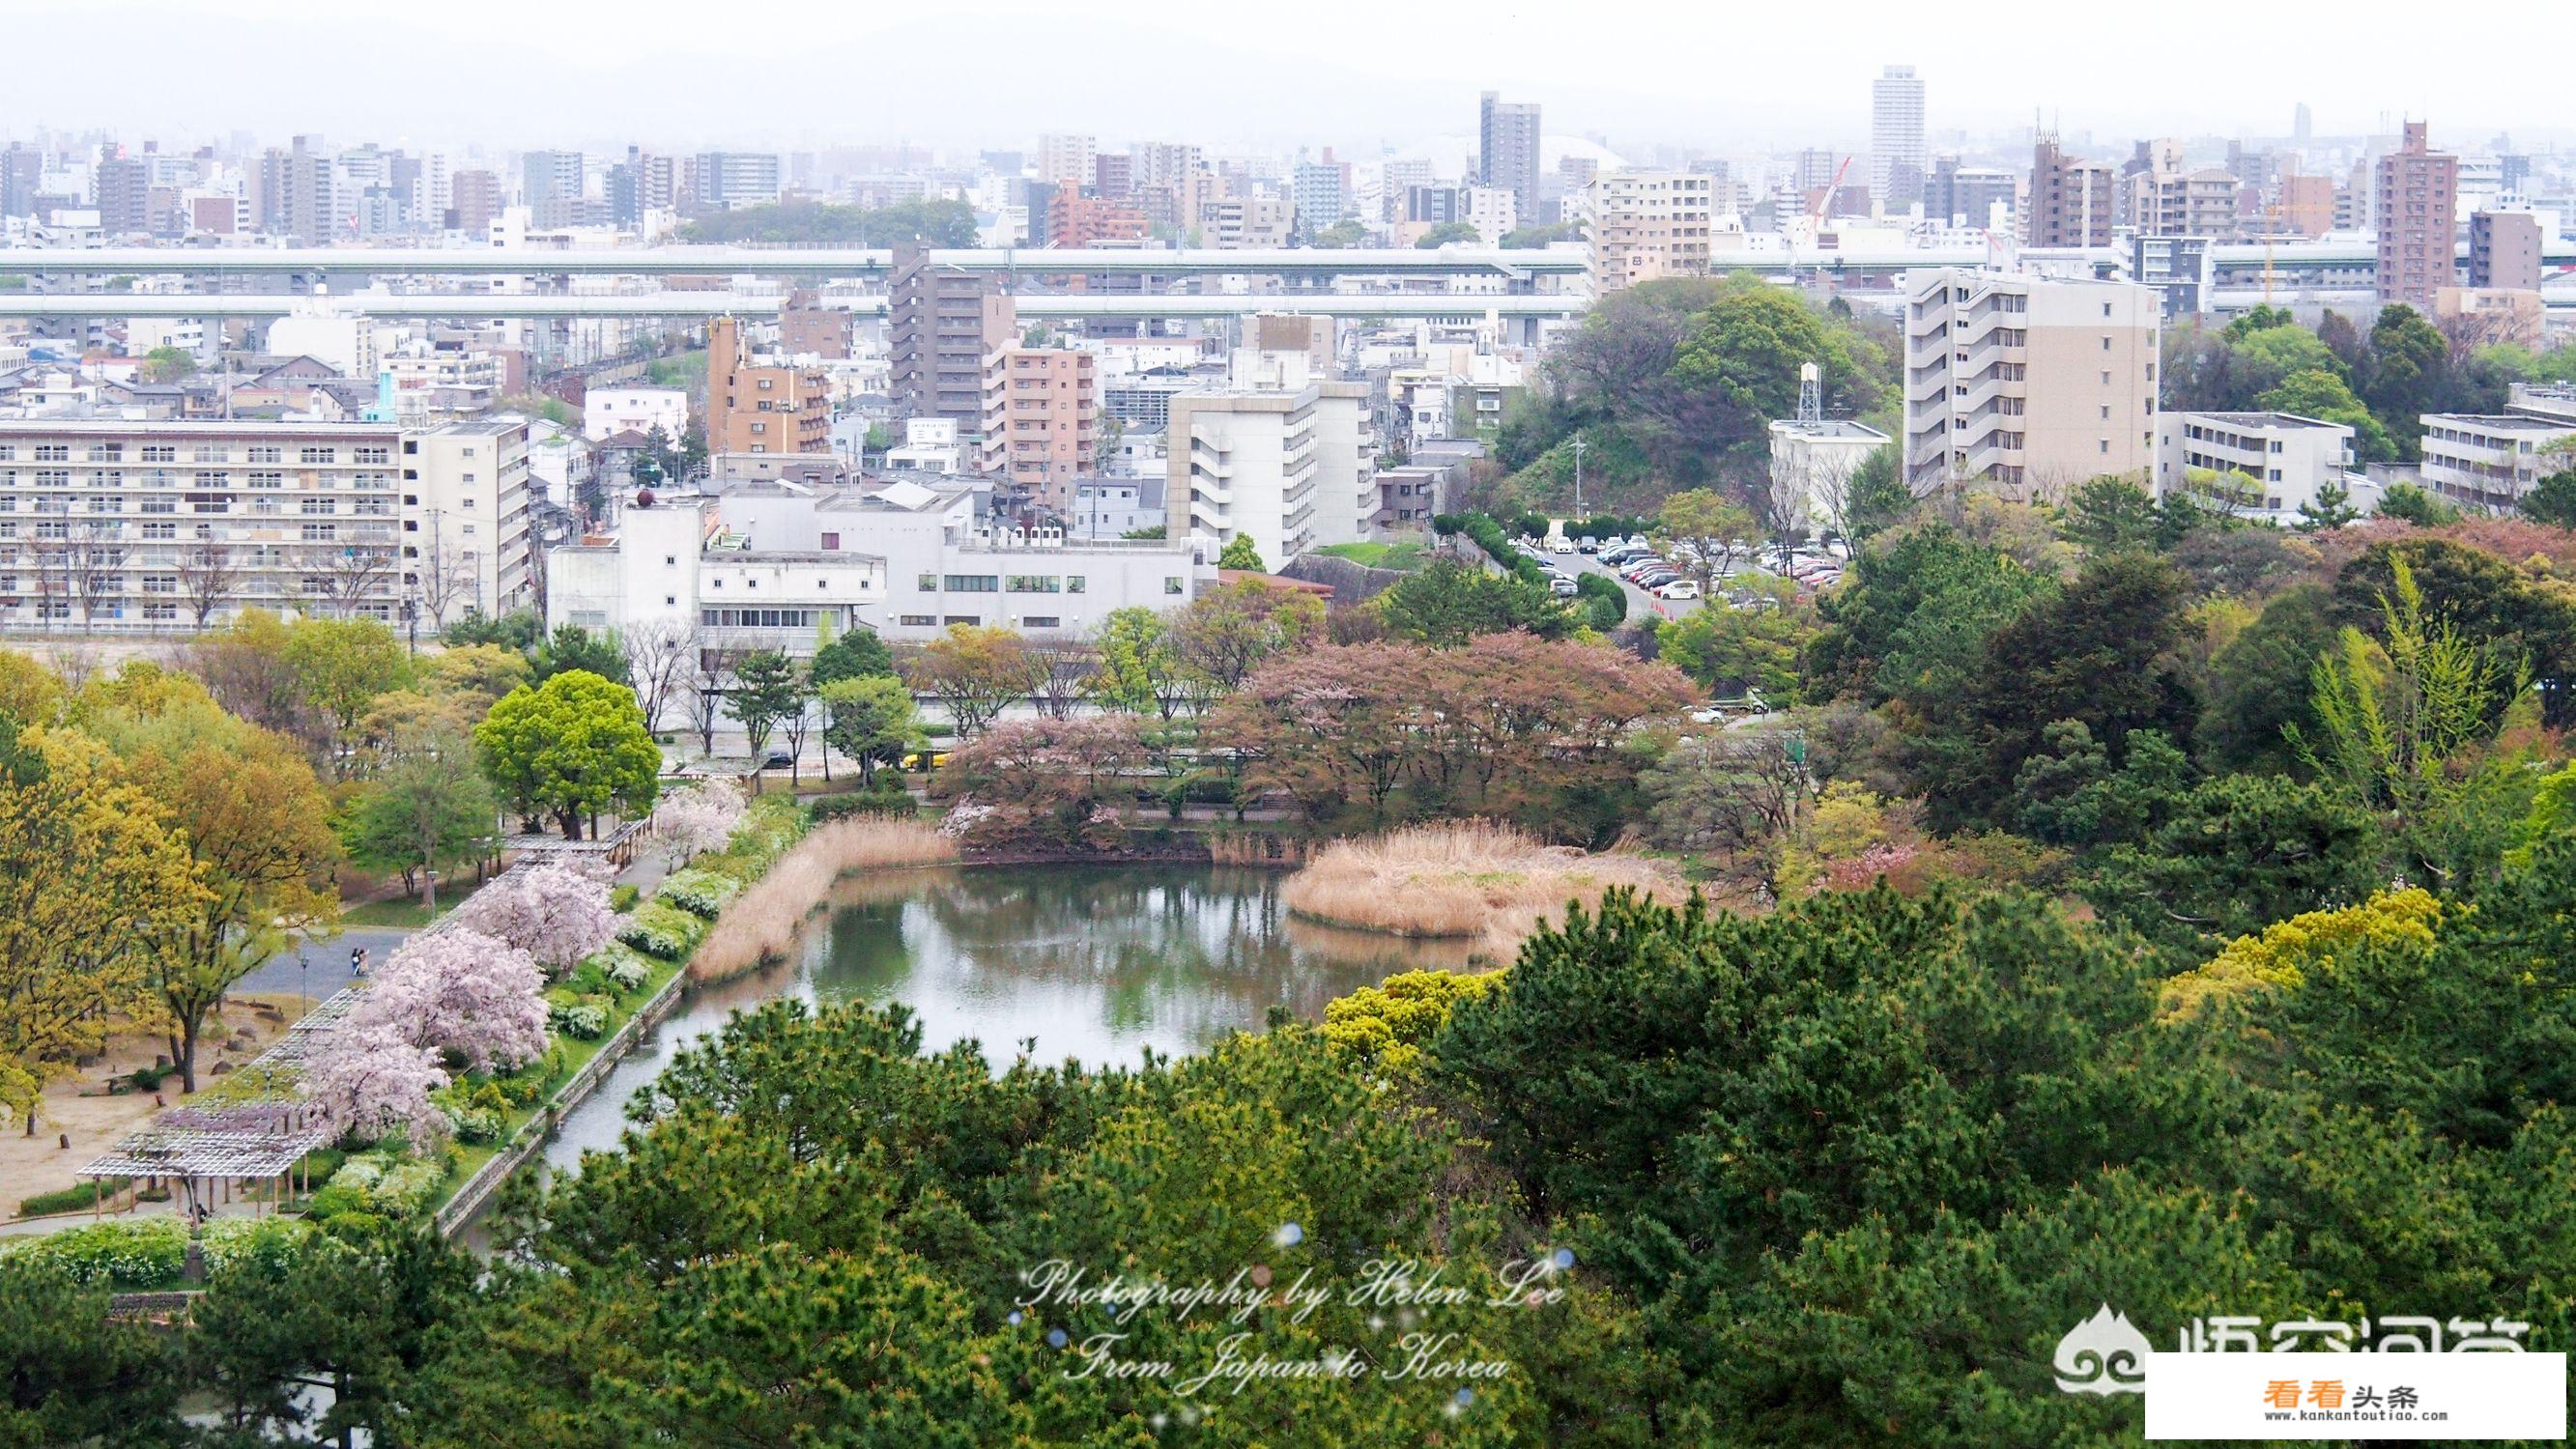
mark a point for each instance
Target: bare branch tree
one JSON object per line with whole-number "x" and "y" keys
{"x": 442, "y": 574}
{"x": 349, "y": 574}
{"x": 706, "y": 694}
{"x": 1067, "y": 666}
{"x": 659, "y": 653}
{"x": 208, "y": 577}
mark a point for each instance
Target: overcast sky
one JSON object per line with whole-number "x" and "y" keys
{"x": 1365, "y": 75}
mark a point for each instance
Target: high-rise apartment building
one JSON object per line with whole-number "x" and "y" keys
{"x": 22, "y": 168}
{"x": 1233, "y": 223}
{"x": 1642, "y": 225}
{"x": 477, "y": 201}
{"x": 550, "y": 183}
{"x": 1896, "y": 155}
{"x": 2028, "y": 384}
{"x": 1068, "y": 160}
{"x": 1507, "y": 149}
{"x": 2504, "y": 251}
{"x": 1322, "y": 192}
{"x": 2070, "y": 198}
{"x": 942, "y": 322}
{"x": 1041, "y": 422}
{"x": 2304, "y": 206}
{"x": 123, "y": 185}
{"x": 294, "y": 192}
{"x": 2415, "y": 198}
{"x": 762, "y": 407}
{"x": 1968, "y": 195}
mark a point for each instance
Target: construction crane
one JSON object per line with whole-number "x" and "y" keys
{"x": 1816, "y": 216}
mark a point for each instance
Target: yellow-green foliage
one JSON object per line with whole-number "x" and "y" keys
{"x": 2286, "y": 952}
{"x": 1386, "y": 1025}
{"x": 2553, "y": 809}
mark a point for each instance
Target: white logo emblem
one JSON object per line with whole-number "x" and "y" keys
{"x": 2105, "y": 1354}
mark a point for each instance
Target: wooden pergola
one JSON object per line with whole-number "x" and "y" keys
{"x": 206, "y": 1149}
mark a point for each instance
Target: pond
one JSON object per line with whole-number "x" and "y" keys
{"x": 1093, "y": 963}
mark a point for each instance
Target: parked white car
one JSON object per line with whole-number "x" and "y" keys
{"x": 1559, "y": 543}
{"x": 1679, "y": 589}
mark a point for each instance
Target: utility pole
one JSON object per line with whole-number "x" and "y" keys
{"x": 1578, "y": 476}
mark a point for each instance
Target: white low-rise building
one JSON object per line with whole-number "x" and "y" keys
{"x": 778, "y": 564}
{"x": 1812, "y": 463}
{"x": 2490, "y": 460}
{"x": 2265, "y": 465}
{"x": 606, "y": 411}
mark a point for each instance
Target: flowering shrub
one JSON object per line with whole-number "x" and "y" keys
{"x": 622, "y": 966}
{"x": 699, "y": 892}
{"x": 270, "y": 1243}
{"x": 556, "y": 912}
{"x": 664, "y": 932}
{"x": 382, "y": 1184}
{"x": 582, "y": 1021}
{"x": 142, "y": 1254}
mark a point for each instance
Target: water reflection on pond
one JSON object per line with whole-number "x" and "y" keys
{"x": 1096, "y": 963}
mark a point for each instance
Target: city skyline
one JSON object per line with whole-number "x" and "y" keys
{"x": 606, "y": 73}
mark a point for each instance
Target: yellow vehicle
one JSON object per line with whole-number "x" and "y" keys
{"x": 938, "y": 758}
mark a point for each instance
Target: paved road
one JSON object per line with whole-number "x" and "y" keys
{"x": 318, "y": 968}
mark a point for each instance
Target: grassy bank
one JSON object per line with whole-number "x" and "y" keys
{"x": 759, "y": 924}
{"x": 1472, "y": 879}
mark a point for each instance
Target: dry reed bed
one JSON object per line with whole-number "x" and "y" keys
{"x": 1493, "y": 883}
{"x": 761, "y": 923}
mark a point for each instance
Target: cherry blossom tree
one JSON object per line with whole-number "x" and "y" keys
{"x": 464, "y": 992}
{"x": 556, "y": 912}
{"x": 699, "y": 819}
{"x": 373, "y": 1081}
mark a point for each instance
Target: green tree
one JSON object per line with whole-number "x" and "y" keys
{"x": 2410, "y": 371}
{"x": 168, "y": 364}
{"x": 2412, "y": 503}
{"x": 766, "y": 689}
{"x": 1239, "y": 553}
{"x": 977, "y": 671}
{"x": 2108, "y": 514}
{"x": 2552, "y": 500}
{"x": 2321, "y": 393}
{"x": 2257, "y": 686}
{"x": 342, "y": 665}
{"x": 1719, "y": 531}
{"x": 1876, "y": 498}
{"x": 2232, "y": 854}
{"x": 2097, "y": 652}
{"x": 1446, "y": 233}
{"x": 427, "y": 809}
{"x": 356, "y": 1312}
{"x": 1743, "y": 352}
{"x": 853, "y": 654}
{"x": 871, "y": 718}
{"x": 1344, "y": 233}
{"x": 570, "y": 747}
{"x": 574, "y": 647}
{"x": 2330, "y": 509}
{"x": 932, "y": 221}
{"x": 2397, "y": 718}
{"x": 1446, "y": 603}
{"x": 1733, "y": 651}
{"x": 1138, "y": 669}
{"x": 74, "y": 1373}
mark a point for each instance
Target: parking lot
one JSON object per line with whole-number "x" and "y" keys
{"x": 1641, "y": 604}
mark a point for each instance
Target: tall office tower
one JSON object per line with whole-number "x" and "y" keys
{"x": 942, "y": 322}
{"x": 1896, "y": 137}
{"x": 2070, "y": 198}
{"x": 2302, "y": 124}
{"x": 1068, "y": 160}
{"x": 2416, "y": 198}
{"x": 551, "y": 184}
{"x": 2040, "y": 384}
{"x": 1507, "y": 149}
{"x": 123, "y": 184}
